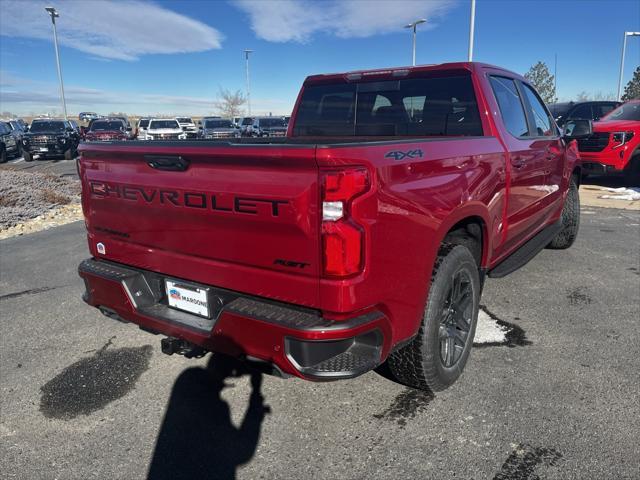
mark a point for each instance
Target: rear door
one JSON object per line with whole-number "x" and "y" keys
{"x": 527, "y": 187}
{"x": 238, "y": 217}
{"x": 550, "y": 145}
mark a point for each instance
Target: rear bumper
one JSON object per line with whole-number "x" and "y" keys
{"x": 298, "y": 341}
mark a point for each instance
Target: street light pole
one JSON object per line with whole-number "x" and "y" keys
{"x": 472, "y": 24}
{"x": 624, "y": 47}
{"x": 54, "y": 14}
{"x": 413, "y": 26}
{"x": 246, "y": 57}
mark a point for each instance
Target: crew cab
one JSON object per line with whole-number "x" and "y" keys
{"x": 164, "y": 129}
{"x": 106, "y": 130}
{"x": 613, "y": 149}
{"x": 50, "y": 138}
{"x": 188, "y": 126}
{"x": 364, "y": 236}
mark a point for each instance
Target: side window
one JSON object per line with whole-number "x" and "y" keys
{"x": 539, "y": 113}
{"x": 600, "y": 111}
{"x": 510, "y": 105}
{"x": 582, "y": 111}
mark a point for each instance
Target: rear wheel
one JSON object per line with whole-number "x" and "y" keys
{"x": 27, "y": 156}
{"x": 68, "y": 154}
{"x": 632, "y": 172}
{"x": 435, "y": 358}
{"x": 570, "y": 219}
{"x": 3, "y": 155}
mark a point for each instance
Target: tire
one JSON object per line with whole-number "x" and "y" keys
{"x": 27, "y": 156}
{"x": 570, "y": 219}
{"x": 68, "y": 154}
{"x": 632, "y": 172}
{"x": 424, "y": 363}
{"x": 3, "y": 155}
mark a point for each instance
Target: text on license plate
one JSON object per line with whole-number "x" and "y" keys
{"x": 189, "y": 298}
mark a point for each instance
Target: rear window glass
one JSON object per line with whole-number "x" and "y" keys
{"x": 438, "y": 106}
{"x": 272, "y": 122}
{"x": 107, "y": 125}
{"x": 218, "y": 124}
{"x": 144, "y": 123}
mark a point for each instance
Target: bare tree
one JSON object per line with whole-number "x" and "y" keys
{"x": 599, "y": 95}
{"x": 582, "y": 96}
{"x": 230, "y": 103}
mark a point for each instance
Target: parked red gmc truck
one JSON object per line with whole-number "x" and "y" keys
{"x": 363, "y": 236}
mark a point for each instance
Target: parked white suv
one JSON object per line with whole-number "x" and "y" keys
{"x": 188, "y": 127}
{"x": 141, "y": 128}
{"x": 164, "y": 129}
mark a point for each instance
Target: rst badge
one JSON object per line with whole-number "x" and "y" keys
{"x": 401, "y": 155}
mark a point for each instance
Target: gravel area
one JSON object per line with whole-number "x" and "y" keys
{"x": 26, "y": 195}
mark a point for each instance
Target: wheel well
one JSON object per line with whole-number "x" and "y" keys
{"x": 469, "y": 233}
{"x": 577, "y": 175}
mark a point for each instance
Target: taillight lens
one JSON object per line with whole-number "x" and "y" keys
{"x": 342, "y": 236}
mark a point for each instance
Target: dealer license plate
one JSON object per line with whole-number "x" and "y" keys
{"x": 188, "y": 298}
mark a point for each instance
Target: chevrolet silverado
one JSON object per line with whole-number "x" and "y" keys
{"x": 364, "y": 236}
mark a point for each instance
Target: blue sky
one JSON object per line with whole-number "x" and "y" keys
{"x": 168, "y": 57}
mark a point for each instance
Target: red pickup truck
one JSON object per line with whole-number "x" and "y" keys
{"x": 614, "y": 147}
{"x": 363, "y": 236}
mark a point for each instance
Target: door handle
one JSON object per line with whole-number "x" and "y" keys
{"x": 171, "y": 163}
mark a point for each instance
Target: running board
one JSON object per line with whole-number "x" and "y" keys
{"x": 526, "y": 252}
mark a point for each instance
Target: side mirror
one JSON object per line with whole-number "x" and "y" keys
{"x": 576, "y": 129}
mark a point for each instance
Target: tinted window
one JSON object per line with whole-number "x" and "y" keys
{"x": 601, "y": 110}
{"x": 4, "y": 128}
{"x": 247, "y": 121}
{"x": 163, "y": 124}
{"x": 542, "y": 120}
{"x": 442, "y": 106}
{"x": 107, "y": 125}
{"x": 143, "y": 123}
{"x": 218, "y": 124}
{"x": 510, "y": 105}
{"x": 581, "y": 111}
{"x": 184, "y": 120}
{"x": 628, "y": 111}
{"x": 45, "y": 126}
{"x": 272, "y": 122}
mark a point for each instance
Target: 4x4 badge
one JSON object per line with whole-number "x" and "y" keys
{"x": 400, "y": 155}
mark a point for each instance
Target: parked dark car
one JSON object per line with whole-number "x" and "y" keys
{"x": 50, "y": 138}
{"x": 8, "y": 145}
{"x": 592, "y": 110}
{"x": 18, "y": 130}
{"x": 106, "y": 130}
{"x": 264, "y": 127}
{"x": 219, "y": 128}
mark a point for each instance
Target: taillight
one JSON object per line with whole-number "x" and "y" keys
{"x": 342, "y": 236}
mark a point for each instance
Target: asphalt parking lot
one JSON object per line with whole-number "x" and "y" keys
{"x": 87, "y": 397}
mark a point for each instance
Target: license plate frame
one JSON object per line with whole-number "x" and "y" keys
{"x": 43, "y": 149}
{"x": 188, "y": 297}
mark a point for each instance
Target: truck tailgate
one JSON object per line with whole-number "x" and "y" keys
{"x": 241, "y": 217}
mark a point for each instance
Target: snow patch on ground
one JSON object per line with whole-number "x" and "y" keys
{"x": 622, "y": 193}
{"x": 488, "y": 330}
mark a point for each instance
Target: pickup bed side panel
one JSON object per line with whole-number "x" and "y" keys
{"x": 243, "y": 218}
{"x": 407, "y": 214}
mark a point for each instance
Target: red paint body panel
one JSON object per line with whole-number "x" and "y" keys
{"x": 406, "y": 213}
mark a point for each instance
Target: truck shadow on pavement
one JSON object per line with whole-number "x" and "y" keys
{"x": 197, "y": 438}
